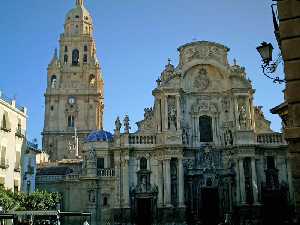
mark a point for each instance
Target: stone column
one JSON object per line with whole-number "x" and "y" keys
{"x": 178, "y": 111}
{"x": 180, "y": 183}
{"x": 238, "y": 188}
{"x": 167, "y": 183}
{"x": 125, "y": 184}
{"x": 160, "y": 182}
{"x": 242, "y": 181}
{"x": 166, "y": 113}
{"x": 254, "y": 181}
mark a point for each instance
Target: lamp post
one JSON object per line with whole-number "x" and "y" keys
{"x": 269, "y": 66}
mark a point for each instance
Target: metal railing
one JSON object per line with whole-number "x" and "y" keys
{"x": 106, "y": 172}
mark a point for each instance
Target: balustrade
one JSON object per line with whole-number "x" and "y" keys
{"x": 142, "y": 139}
{"x": 270, "y": 138}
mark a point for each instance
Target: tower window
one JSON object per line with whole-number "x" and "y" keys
{"x": 205, "y": 128}
{"x": 66, "y": 48}
{"x": 65, "y": 59}
{"x": 53, "y": 81}
{"x": 77, "y": 17}
{"x": 85, "y": 58}
{"x": 143, "y": 163}
{"x": 85, "y": 48}
{"x": 71, "y": 121}
{"x": 75, "y": 57}
{"x": 51, "y": 108}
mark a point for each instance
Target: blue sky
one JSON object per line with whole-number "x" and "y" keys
{"x": 134, "y": 39}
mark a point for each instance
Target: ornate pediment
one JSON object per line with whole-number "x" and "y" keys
{"x": 203, "y": 50}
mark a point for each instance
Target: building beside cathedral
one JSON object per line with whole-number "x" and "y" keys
{"x": 13, "y": 122}
{"x": 204, "y": 153}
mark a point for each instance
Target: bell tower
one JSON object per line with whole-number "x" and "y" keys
{"x": 74, "y": 102}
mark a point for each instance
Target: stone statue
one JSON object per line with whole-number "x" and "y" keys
{"x": 243, "y": 117}
{"x": 92, "y": 154}
{"x": 92, "y": 196}
{"x": 126, "y": 124}
{"x": 118, "y": 125}
{"x": 172, "y": 117}
{"x": 148, "y": 113}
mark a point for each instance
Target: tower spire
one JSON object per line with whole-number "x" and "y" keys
{"x": 79, "y": 2}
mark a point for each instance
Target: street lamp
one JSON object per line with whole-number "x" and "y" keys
{"x": 269, "y": 66}
{"x": 265, "y": 50}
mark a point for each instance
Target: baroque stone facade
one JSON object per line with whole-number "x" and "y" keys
{"x": 202, "y": 154}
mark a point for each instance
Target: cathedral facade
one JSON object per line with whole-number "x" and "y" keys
{"x": 203, "y": 153}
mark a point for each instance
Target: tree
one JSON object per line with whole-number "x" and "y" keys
{"x": 38, "y": 200}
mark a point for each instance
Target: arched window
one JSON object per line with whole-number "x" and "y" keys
{"x": 66, "y": 48}
{"x": 53, "y": 81}
{"x": 205, "y": 128}
{"x": 85, "y": 48}
{"x": 66, "y": 59}
{"x": 71, "y": 121}
{"x": 85, "y": 58}
{"x": 143, "y": 164}
{"x": 75, "y": 57}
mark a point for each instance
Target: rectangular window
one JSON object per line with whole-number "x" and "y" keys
{"x": 17, "y": 164}
{"x": 100, "y": 163}
{"x": 3, "y": 156}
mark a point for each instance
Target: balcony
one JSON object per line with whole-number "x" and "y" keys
{"x": 4, "y": 164}
{"x": 270, "y": 138}
{"x": 5, "y": 128}
{"x": 106, "y": 172}
{"x": 20, "y": 133}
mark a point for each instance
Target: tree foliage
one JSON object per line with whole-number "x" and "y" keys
{"x": 39, "y": 200}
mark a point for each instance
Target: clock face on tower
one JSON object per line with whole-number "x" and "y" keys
{"x": 71, "y": 100}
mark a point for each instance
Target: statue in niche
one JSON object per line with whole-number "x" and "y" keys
{"x": 92, "y": 196}
{"x": 118, "y": 125}
{"x": 243, "y": 117}
{"x": 172, "y": 114}
{"x": 144, "y": 184}
{"x": 185, "y": 136}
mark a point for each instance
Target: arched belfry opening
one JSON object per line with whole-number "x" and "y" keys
{"x": 75, "y": 57}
